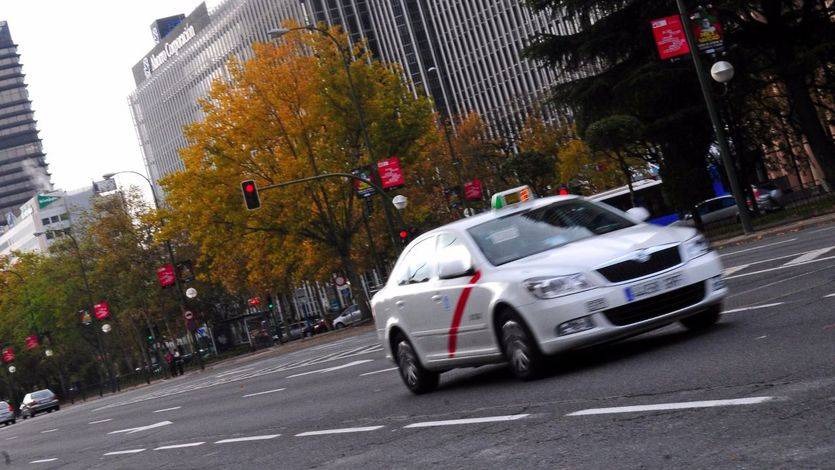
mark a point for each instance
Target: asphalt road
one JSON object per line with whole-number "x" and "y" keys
{"x": 757, "y": 391}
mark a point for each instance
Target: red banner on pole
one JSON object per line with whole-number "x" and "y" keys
{"x": 101, "y": 310}
{"x": 391, "y": 175}
{"x": 166, "y": 275}
{"x": 32, "y": 342}
{"x": 669, "y": 37}
{"x": 472, "y": 190}
{"x": 8, "y": 355}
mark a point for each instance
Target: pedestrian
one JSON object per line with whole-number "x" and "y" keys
{"x": 178, "y": 361}
{"x": 169, "y": 359}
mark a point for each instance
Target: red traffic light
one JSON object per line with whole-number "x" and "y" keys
{"x": 250, "y": 192}
{"x": 404, "y": 234}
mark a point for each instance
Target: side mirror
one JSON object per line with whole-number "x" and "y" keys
{"x": 454, "y": 262}
{"x": 638, "y": 213}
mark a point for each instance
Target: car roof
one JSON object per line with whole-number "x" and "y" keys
{"x": 493, "y": 214}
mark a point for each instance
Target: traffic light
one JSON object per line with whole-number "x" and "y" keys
{"x": 251, "y": 197}
{"x": 404, "y": 237}
{"x": 270, "y": 302}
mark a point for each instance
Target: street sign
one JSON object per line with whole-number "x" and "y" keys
{"x": 669, "y": 37}
{"x": 85, "y": 317}
{"x": 104, "y": 186}
{"x": 101, "y": 310}
{"x": 188, "y": 315}
{"x": 8, "y": 354}
{"x": 362, "y": 188}
{"x": 166, "y": 275}
{"x": 32, "y": 342}
{"x": 391, "y": 174}
{"x": 708, "y": 32}
{"x": 472, "y": 190}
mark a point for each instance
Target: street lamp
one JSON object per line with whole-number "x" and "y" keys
{"x": 722, "y": 71}
{"x": 12, "y": 369}
{"x": 721, "y": 138}
{"x": 347, "y": 59}
{"x": 106, "y": 328}
{"x": 86, "y": 281}
{"x": 400, "y": 202}
{"x": 168, "y": 249}
{"x": 48, "y": 353}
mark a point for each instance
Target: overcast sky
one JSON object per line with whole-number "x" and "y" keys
{"x": 77, "y": 57}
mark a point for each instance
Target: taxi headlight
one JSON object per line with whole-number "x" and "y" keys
{"x": 695, "y": 247}
{"x": 549, "y": 287}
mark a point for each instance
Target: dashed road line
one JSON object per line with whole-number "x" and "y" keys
{"x": 378, "y": 371}
{"x": 233, "y": 372}
{"x": 754, "y": 307}
{"x": 247, "y": 439}
{"x": 44, "y": 460}
{"x": 672, "y": 406}
{"x": 729, "y": 271}
{"x": 180, "y": 446}
{"x": 324, "y": 432}
{"x": 264, "y": 393}
{"x": 100, "y": 421}
{"x": 331, "y": 369}
{"x": 785, "y": 266}
{"x": 454, "y": 422}
{"x": 828, "y": 296}
{"x": 10, "y": 438}
{"x": 124, "y": 452}
{"x": 757, "y": 247}
{"x": 49, "y": 430}
{"x": 168, "y": 409}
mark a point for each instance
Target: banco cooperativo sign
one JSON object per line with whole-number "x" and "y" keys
{"x": 170, "y": 45}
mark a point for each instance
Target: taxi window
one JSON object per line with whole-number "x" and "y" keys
{"x": 419, "y": 263}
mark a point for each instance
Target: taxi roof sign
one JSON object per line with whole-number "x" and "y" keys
{"x": 511, "y": 197}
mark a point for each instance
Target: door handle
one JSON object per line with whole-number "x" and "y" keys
{"x": 400, "y": 303}
{"x": 437, "y": 297}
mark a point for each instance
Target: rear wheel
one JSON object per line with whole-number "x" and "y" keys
{"x": 339, "y": 326}
{"x": 417, "y": 378}
{"x": 703, "y": 320}
{"x": 520, "y": 349}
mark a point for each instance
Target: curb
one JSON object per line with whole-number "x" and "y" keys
{"x": 775, "y": 230}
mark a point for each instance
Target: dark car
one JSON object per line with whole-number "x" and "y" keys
{"x": 37, "y": 402}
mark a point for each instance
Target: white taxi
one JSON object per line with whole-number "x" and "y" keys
{"x": 536, "y": 277}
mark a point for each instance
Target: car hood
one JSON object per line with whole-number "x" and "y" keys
{"x": 589, "y": 253}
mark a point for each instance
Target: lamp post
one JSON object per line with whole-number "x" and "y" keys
{"x": 170, "y": 253}
{"x": 347, "y": 59}
{"x": 89, "y": 294}
{"x": 456, "y": 162}
{"x": 721, "y": 138}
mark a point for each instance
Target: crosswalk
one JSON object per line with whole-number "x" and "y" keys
{"x": 779, "y": 263}
{"x": 246, "y": 373}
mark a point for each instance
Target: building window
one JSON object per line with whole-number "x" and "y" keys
{"x": 45, "y": 221}
{"x": 65, "y": 216}
{"x": 54, "y": 219}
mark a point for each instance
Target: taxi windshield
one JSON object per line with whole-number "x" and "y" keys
{"x": 527, "y": 233}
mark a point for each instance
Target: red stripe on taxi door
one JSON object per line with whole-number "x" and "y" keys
{"x": 459, "y": 313}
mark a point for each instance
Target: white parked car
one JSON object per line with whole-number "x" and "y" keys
{"x": 536, "y": 278}
{"x": 349, "y": 316}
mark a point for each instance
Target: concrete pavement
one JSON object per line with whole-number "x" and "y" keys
{"x": 757, "y": 391}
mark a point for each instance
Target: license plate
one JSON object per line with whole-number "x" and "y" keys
{"x": 652, "y": 287}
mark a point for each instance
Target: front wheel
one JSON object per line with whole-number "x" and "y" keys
{"x": 703, "y": 320}
{"x": 522, "y": 353}
{"x": 418, "y": 379}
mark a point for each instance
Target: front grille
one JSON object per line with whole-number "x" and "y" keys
{"x": 633, "y": 269}
{"x": 656, "y": 306}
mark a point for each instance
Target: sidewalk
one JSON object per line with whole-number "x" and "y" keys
{"x": 776, "y": 229}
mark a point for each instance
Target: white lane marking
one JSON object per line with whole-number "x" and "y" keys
{"x": 810, "y": 256}
{"x": 763, "y": 337}
{"x": 757, "y": 247}
{"x": 44, "y": 460}
{"x": 264, "y": 393}
{"x": 168, "y": 409}
{"x": 49, "y": 430}
{"x": 236, "y": 371}
{"x": 100, "y": 421}
{"x": 10, "y": 438}
{"x": 379, "y": 371}
{"x": 672, "y": 406}
{"x": 180, "y": 446}
{"x": 338, "y": 431}
{"x": 754, "y": 307}
{"x": 821, "y": 230}
{"x": 729, "y": 271}
{"x": 827, "y": 296}
{"x": 142, "y": 428}
{"x": 452, "y": 422}
{"x": 123, "y": 452}
{"x": 331, "y": 369}
{"x": 785, "y": 266}
{"x": 247, "y": 439}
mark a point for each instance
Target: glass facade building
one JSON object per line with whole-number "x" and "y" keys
{"x": 465, "y": 54}
{"x": 23, "y": 169}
